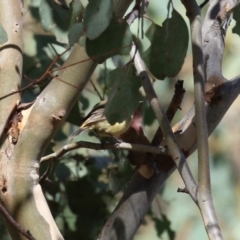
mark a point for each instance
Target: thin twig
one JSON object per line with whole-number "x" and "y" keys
{"x": 15, "y": 224}
{"x": 183, "y": 190}
{"x": 63, "y": 81}
{"x": 171, "y": 111}
{"x": 96, "y": 90}
{"x": 46, "y": 73}
{"x": 203, "y": 3}
{"x": 104, "y": 146}
{"x": 47, "y": 173}
{"x": 91, "y": 59}
{"x": 172, "y": 144}
{"x": 105, "y": 79}
{"x": 137, "y": 12}
{"x": 54, "y": 49}
{"x": 176, "y": 101}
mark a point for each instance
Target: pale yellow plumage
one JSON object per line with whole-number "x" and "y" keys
{"x": 97, "y": 122}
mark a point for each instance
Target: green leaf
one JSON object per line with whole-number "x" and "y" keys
{"x": 163, "y": 225}
{"x": 74, "y": 116}
{"x": 125, "y": 96}
{"x": 236, "y": 17}
{"x": 75, "y": 33}
{"x": 3, "y": 35}
{"x": 85, "y": 201}
{"x": 97, "y": 17}
{"x": 169, "y": 43}
{"x": 62, "y": 172}
{"x": 53, "y": 20}
{"x": 116, "y": 39}
{"x": 60, "y": 135}
{"x": 90, "y": 200}
{"x": 149, "y": 116}
{"x": 75, "y": 13}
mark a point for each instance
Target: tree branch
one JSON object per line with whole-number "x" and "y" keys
{"x": 173, "y": 147}
{"x": 141, "y": 189}
{"x": 104, "y": 146}
{"x": 24, "y": 198}
{"x": 214, "y": 30}
{"x": 204, "y": 196}
{"x": 173, "y": 107}
{"x": 13, "y": 222}
{"x": 127, "y": 217}
{"x": 236, "y": 80}
{"x": 10, "y": 61}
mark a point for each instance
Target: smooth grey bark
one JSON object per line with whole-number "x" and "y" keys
{"x": 21, "y": 192}
{"x": 204, "y": 196}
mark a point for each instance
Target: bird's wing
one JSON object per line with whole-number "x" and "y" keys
{"x": 93, "y": 117}
{"x": 100, "y": 105}
{"x": 75, "y": 134}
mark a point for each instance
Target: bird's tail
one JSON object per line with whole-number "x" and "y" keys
{"x": 75, "y": 134}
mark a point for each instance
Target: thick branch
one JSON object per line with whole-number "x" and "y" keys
{"x": 141, "y": 189}
{"x": 13, "y": 222}
{"x": 10, "y": 60}
{"x": 23, "y": 195}
{"x": 214, "y": 30}
{"x": 128, "y": 215}
{"x": 204, "y": 184}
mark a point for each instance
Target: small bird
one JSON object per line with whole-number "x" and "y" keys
{"x": 96, "y": 121}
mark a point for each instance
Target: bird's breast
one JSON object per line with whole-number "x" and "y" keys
{"x": 104, "y": 128}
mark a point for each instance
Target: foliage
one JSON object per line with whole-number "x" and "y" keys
{"x": 124, "y": 96}
{"x": 236, "y": 12}
{"x": 165, "y": 57}
{"x": 86, "y": 185}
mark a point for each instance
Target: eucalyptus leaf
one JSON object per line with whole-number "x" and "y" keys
{"x": 53, "y": 20}
{"x": 236, "y": 17}
{"x": 169, "y": 43}
{"x": 3, "y": 35}
{"x": 75, "y": 33}
{"x": 124, "y": 96}
{"x": 97, "y": 17}
{"x": 116, "y": 39}
{"x": 62, "y": 172}
{"x": 75, "y": 13}
{"x": 74, "y": 116}
{"x": 163, "y": 225}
